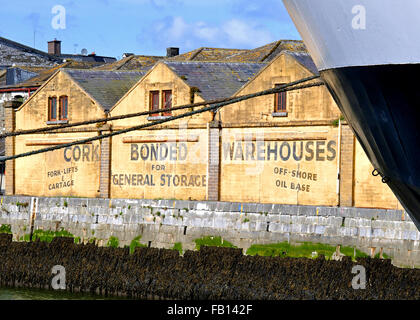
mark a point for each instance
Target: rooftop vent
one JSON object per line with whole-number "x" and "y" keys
{"x": 172, "y": 52}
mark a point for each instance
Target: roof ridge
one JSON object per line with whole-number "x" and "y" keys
{"x": 214, "y": 62}
{"x": 96, "y": 70}
{"x": 271, "y": 51}
{"x": 215, "y": 48}
{"x": 199, "y": 50}
{"x": 145, "y": 55}
{"x": 125, "y": 62}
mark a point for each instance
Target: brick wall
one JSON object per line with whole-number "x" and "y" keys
{"x": 346, "y": 166}
{"x": 10, "y": 124}
{"x": 105, "y": 171}
{"x": 213, "y": 170}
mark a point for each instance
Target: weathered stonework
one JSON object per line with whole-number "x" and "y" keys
{"x": 213, "y": 173}
{"x": 252, "y": 155}
{"x": 162, "y": 223}
{"x": 105, "y": 170}
{"x": 347, "y": 166}
{"x": 10, "y": 110}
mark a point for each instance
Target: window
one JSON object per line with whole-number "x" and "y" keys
{"x": 52, "y": 109}
{"x": 60, "y": 112}
{"x": 280, "y": 101}
{"x": 63, "y": 108}
{"x": 165, "y": 104}
{"x": 154, "y": 102}
{"x": 167, "y": 101}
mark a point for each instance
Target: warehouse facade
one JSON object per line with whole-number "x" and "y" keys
{"x": 289, "y": 148}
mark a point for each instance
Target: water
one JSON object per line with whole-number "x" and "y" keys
{"x": 36, "y": 294}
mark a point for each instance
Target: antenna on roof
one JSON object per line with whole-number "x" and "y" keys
{"x": 84, "y": 52}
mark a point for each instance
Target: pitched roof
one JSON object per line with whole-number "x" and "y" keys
{"x": 139, "y": 62}
{"x": 305, "y": 59}
{"x": 261, "y": 54}
{"x": 106, "y": 87}
{"x": 215, "y": 79}
{"x": 208, "y": 54}
{"x": 16, "y": 53}
{"x": 43, "y": 73}
{"x": 268, "y": 52}
{"x": 89, "y": 58}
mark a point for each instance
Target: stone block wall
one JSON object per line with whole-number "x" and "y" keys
{"x": 162, "y": 223}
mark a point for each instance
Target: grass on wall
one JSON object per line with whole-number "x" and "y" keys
{"x": 113, "y": 242}
{"x": 47, "y": 235}
{"x": 178, "y": 247}
{"x": 135, "y": 243}
{"x": 6, "y": 228}
{"x": 213, "y": 242}
{"x": 304, "y": 250}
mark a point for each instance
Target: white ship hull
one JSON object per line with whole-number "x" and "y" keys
{"x": 368, "y": 53}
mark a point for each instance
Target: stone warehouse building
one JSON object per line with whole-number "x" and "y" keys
{"x": 288, "y": 148}
{"x": 24, "y": 69}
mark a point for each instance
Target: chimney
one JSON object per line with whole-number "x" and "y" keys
{"x": 54, "y": 47}
{"x": 172, "y": 52}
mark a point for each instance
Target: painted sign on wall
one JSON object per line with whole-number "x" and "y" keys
{"x": 279, "y": 167}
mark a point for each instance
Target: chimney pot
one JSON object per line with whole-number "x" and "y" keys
{"x": 172, "y": 52}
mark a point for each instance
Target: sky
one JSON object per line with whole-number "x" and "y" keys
{"x": 114, "y": 27}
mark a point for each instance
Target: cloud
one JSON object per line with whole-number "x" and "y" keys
{"x": 266, "y": 9}
{"x": 175, "y": 31}
{"x": 248, "y": 34}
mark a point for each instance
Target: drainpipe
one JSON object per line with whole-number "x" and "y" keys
{"x": 338, "y": 162}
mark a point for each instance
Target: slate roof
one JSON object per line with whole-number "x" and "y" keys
{"x": 88, "y": 58}
{"x": 136, "y": 62}
{"x": 43, "y": 74}
{"x": 208, "y": 54}
{"x": 264, "y": 53}
{"x": 305, "y": 59}
{"x": 16, "y": 53}
{"x": 106, "y": 87}
{"x": 215, "y": 79}
{"x": 269, "y": 51}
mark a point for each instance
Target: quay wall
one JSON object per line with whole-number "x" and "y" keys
{"x": 162, "y": 223}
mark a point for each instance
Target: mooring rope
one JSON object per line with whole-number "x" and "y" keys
{"x": 288, "y": 87}
{"x": 145, "y": 113}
